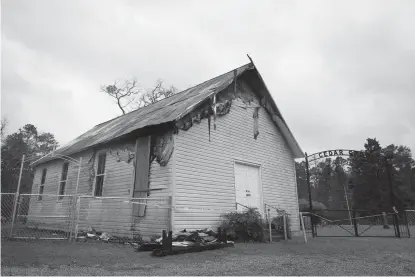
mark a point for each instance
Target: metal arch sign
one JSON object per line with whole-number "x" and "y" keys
{"x": 336, "y": 153}
{"x": 351, "y": 153}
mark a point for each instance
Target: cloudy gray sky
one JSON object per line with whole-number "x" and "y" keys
{"x": 340, "y": 71}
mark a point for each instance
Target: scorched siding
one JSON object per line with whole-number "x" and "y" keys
{"x": 108, "y": 215}
{"x": 204, "y": 177}
{"x": 157, "y": 216}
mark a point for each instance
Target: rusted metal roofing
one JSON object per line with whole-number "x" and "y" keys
{"x": 164, "y": 111}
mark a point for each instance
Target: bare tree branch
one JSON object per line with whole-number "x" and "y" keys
{"x": 157, "y": 93}
{"x": 128, "y": 90}
{"x": 129, "y": 95}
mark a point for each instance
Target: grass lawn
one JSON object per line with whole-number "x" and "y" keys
{"x": 321, "y": 256}
{"x": 24, "y": 231}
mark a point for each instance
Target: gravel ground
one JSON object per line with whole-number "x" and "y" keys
{"x": 321, "y": 256}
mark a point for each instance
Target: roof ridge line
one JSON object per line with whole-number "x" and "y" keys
{"x": 173, "y": 94}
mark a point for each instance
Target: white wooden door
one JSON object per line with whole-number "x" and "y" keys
{"x": 247, "y": 186}
{"x": 240, "y": 186}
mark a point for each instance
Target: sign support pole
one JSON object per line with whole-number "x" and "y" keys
{"x": 309, "y": 192}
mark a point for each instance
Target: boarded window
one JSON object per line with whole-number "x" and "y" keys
{"x": 99, "y": 183}
{"x": 42, "y": 184}
{"x": 142, "y": 168}
{"x": 43, "y": 176}
{"x": 64, "y": 178}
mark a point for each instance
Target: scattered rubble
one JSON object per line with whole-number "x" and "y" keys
{"x": 181, "y": 239}
{"x": 186, "y": 239}
{"x": 105, "y": 236}
{"x": 197, "y": 241}
{"x": 93, "y": 235}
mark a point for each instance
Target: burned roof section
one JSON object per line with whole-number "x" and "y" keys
{"x": 167, "y": 110}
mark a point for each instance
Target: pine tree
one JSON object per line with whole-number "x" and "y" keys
{"x": 27, "y": 141}
{"x": 372, "y": 190}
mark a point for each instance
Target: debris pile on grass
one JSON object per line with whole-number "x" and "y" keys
{"x": 184, "y": 238}
{"x": 93, "y": 235}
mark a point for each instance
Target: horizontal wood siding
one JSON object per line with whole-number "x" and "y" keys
{"x": 205, "y": 170}
{"x": 157, "y": 216}
{"x": 107, "y": 215}
{"x": 40, "y": 210}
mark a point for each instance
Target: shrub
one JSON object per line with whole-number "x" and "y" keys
{"x": 305, "y": 206}
{"x": 318, "y": 208}
{"x": 246, "y": 225}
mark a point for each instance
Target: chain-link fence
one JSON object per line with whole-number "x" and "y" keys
{"x": 410, "y": 217}
{"x": 7, "y": 202}
{"x": 42, "y": 216}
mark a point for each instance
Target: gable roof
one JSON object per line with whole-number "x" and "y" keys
{"x": 164, "y": 111}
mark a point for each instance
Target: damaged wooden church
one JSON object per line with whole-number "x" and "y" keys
{"x": 213, "y": 148}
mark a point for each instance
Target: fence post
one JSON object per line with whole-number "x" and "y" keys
{"x": 313, "y": 223}
{"x": 16, "y": 198}
{"x": 284, "y": 218}
{"x": 356, "y": 232}
{"x": 269, "y": 226}
{"x": 72, "y": 221}
{"x": 396, "y": 219}
{"x": 265, "y": 213}
{"x": 14, "y": 210}
{"x": 303, "y": 226}
{"x": 78, "y": 210}
{"x": 407, "y": 223}
{"x": 74, "y": 203}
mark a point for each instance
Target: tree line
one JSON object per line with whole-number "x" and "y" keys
{"x": 362, "y": 180}
{"x": 26, "y": 141}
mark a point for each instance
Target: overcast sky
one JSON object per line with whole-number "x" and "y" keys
{"x": 339, "y": 71}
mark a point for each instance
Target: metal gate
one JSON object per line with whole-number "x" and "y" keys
{"x": 347, "y": 223}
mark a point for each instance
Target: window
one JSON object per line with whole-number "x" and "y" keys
{"x": 63, "y": 180}
{"x": 43, "y": 176}
{"x": 42, "y": 184}
{"x": 99, "y": 183}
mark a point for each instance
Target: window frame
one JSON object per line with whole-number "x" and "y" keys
{"x": 100, "y": 175}
{"x": 42, "y": 184}
{"x": 62, "y": 181}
